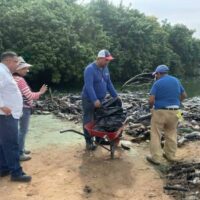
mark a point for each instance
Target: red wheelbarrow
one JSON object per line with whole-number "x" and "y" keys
{"x": 106, "y": 138}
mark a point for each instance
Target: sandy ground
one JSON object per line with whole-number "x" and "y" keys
{"x": 62, "y": 170}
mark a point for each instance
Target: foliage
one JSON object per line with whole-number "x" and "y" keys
{"x": 60, "y": 37}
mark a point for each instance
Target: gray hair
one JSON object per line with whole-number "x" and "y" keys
{"x": 7, "y": 54}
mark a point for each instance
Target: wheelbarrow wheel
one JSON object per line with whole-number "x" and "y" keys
{"x": 112, "y": 150}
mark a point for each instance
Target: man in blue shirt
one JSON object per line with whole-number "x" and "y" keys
{"x": 97, "y": 83}
{"x": 165, "y": 98}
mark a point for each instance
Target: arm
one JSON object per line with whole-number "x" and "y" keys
{"x": 5, "y": 109}
{"x": 25, "y": 90}
{"x": 183, "y": 96}
{"x": 151, "y": 101}
{"x": 110, "y": 86}
{"x": 88, "y": 80}
{"x": 152, "y": 96}
{"x": 1, "y": 88}
{"x": 183, "y": 93}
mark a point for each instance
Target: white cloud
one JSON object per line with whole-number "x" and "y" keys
{"x": 185, "y": 12}
{"x": 179, "y": 11}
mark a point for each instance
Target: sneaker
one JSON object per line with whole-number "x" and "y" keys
{"x": 27, "y": 151}
{"x": 22, "y": 178}
{"x": 152, "y": 161}
{"x": 24, "y": 157}
{"x": 90, "y": 147}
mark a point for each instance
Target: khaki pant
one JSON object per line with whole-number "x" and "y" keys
{"x": 163, "y": 121}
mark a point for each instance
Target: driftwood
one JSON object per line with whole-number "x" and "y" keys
{"x": 140, "y": 78}
{"x": 144, "y": 117}
{"x": 193, "y": 175}
{"x": 189, "y": 137}
{"x": 181, "y": 172}
{"x": 176, "y": 187}
{"x": 52, "y": 100}
{"x": 180, "y": 166}
{"x": 183, "y": 177}
{"x": 136, "y": 105}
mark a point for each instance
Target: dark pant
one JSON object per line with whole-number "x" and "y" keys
{"x": 88, "y": 116}
{"x": 9, "y": 148}
{"x": 23, "y": 128}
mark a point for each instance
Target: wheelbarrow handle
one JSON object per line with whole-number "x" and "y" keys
{"x": 72, "y": 130}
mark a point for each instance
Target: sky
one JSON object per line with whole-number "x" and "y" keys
{"x": 185, "y": 12}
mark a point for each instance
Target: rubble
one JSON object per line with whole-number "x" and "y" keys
{"x": 138, "y": 114}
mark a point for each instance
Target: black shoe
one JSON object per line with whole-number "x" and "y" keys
{"x": 103, "y": 142}
{"x": 24, "y": 157}
{"x": 90, "y": 147}
{"x": 4, "y": 173}
{"x": 22, "y": 178}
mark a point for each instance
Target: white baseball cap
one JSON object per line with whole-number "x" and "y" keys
{"x": 22, "y": 64}
{"x": 105, "y": 54}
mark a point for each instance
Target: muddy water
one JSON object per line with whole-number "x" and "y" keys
{"x": 45, "y": 130}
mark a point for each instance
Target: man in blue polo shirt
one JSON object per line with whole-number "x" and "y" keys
{"x": 97, "y": 83}
{"x": 165, "y": 98}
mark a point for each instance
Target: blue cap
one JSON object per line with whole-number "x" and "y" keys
{"x": 161, "y": 69}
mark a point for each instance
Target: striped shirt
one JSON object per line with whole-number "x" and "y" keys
{"x": 27, "y": 94}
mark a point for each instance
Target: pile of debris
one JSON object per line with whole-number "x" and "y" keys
{"x": 138, "y": 114}
{"x": 69, "y": 106}
{"x": 66, "y": 107}
{"x": 183, "y": 181}
{"x": 139, "y": 120}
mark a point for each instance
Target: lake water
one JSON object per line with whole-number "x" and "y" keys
{"x": 192, "y": 86}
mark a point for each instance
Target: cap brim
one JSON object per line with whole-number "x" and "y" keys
{"x": 24, "y": 66}
{"x": 166, "y": 71}
{"x": 154, "y": 73}
{"x": 109, "y": 58}
{"x": 28, "y": 65}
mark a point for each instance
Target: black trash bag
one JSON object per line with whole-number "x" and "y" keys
{"x": 112, "y": 102}
{"x": 105, "y": 112}
{"x": 110, "y": 116}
